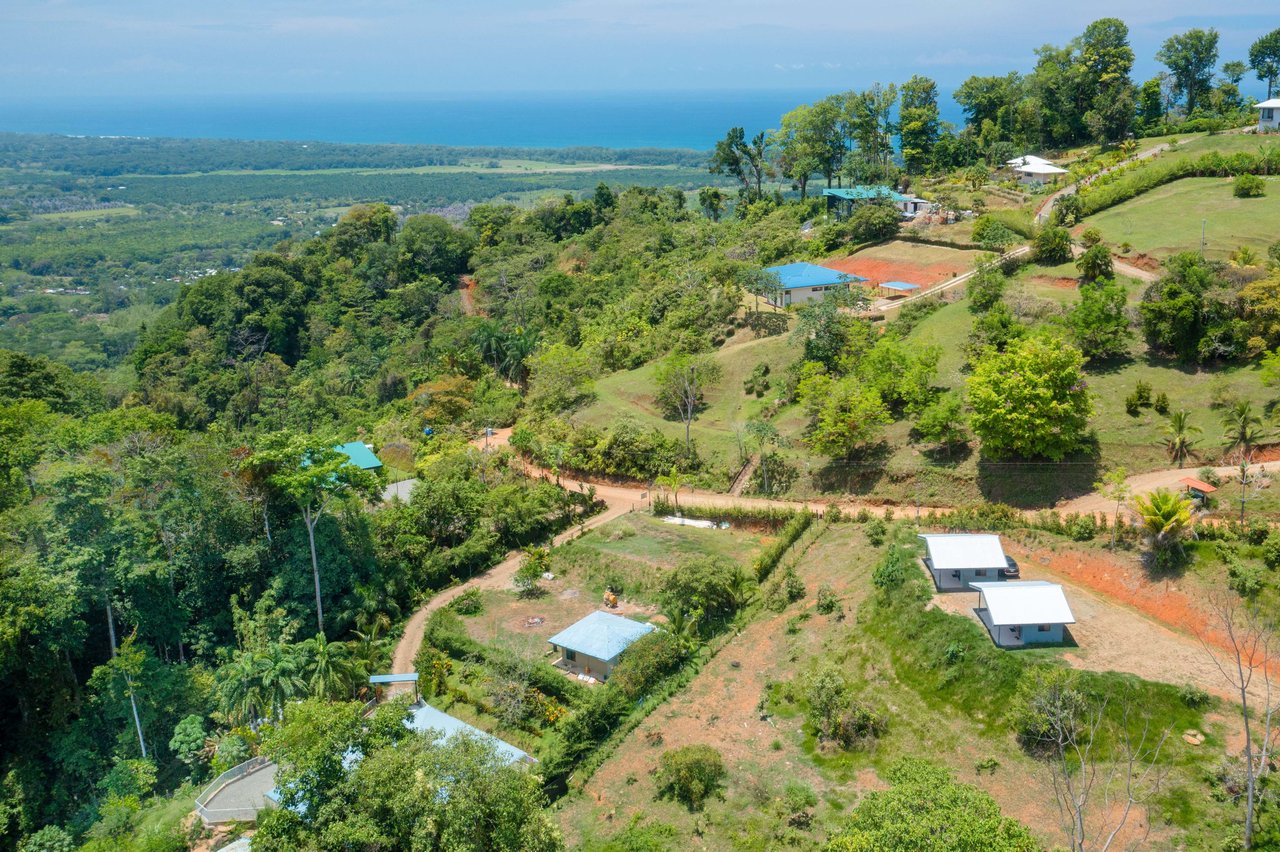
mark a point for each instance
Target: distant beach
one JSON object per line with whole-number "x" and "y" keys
{"x": 626, "y": 120}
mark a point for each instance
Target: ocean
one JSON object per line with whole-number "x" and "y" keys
{"x": 619, "y": 120}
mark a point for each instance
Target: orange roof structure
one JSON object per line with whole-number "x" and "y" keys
{"x": 1197, "y": 485}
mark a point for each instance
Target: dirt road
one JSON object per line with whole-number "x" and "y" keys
{"x": 1042, "y": 213}
{"x": 1140, "y": 483}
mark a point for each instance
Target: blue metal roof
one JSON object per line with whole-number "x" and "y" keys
{"x": 601, "y": 635}
{"x": 428, "y": 718}
{"x": 899, "y": 285}
{"x": 412, "y": 677}
{"x": 796, "y": 275}
{"x": 360, "y": 455}
{"x": 866, "y": 192}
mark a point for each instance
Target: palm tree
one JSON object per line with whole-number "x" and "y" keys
{"x": 328, "y": 668}
{"x": 673, "y": 481}
{"x": 1178, "y": 436}
{"x": 1165, "y": 516}
{"x": 279, "y": 676}
{"x": 1243, "y": 429}
{"x": 683, "y": 627}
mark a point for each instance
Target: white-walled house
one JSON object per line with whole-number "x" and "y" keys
{"x": 1024, "y": 612}
{"x": 1268, "y": 114}
{"x": 957, "y": 560}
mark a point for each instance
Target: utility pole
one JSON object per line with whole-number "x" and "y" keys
{"x": 1203, "y": 224}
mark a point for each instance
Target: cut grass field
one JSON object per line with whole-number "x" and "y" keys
{"x": 1168, "y": 219}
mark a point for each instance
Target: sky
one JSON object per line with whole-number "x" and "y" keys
{"x": 139, "y": 49}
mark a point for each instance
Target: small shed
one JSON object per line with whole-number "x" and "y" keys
{"x": 1025, "y": 612}
{"x": 1268, "y": 114}
{"x": 1196, "y": 489}
{"x": 361, "y": 455}
{"x": 808, "y": 282}
{"x": 957, "y": 560}
{"x": 591, "y": 646}
{"x": 897, "y": 288}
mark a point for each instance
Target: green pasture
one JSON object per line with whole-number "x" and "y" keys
{"x": 1169, "y": 219}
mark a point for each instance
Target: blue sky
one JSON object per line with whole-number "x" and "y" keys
{"x": 139, "y": 48}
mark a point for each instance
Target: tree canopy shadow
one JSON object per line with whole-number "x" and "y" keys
{"x": 1036, "y": 483}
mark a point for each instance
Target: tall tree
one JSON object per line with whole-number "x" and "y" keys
{"x": 1191, "y": 58}
{"x": 1251, "y": 648}
{"x": 1106, "y": 57}
{"x": 1264, "y": 56}
{"x": 747, "y": 161}
{"x": 798, "y": 143}
{"x": 314, "y": 475}
{"x": 918, "y": 123}
{"x": 1031, "y": 400}
{"x": 682, "y": 381}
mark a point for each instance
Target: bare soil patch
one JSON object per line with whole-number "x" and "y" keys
{"x": 914, "y": 263}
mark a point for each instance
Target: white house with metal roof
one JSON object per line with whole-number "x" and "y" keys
{"x": 1268, "y": 114}
{"x": 957, "y": 560}
{"x": 1026, "y": 612}
{"x": 593, "y": 644}
{"x": 427, "y": 718}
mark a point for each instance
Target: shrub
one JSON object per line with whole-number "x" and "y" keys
{"x": 1131, "y": 405}
{"x": 1271, "y": 550}
{"x": 891, "y": 572}
{"x": 1161, "y": 403}
{"x": 690, "y": 774}
{"x": 758, "y": 382}
{"x": 876, "y": 531}
{"x": 470, "y": 602}
{"x": 1194, "y": 697}
{"x": 1090, "y": 237}
{"x": 1142, "y": 393}
{"x": 1081, "y": 527}
{"x": 1248, "y": 186}
{"x": 835, "y": 712}
{"x": 828, "y": 602}
{"x": 1048, "y": 704}
{"x": 645, "y": 662}
{"x": 51, "y": 838}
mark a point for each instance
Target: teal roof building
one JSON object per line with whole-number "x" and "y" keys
{"x": 360, "y": 454}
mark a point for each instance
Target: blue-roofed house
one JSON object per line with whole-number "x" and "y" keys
{"x": 360, "y": 454}
{"x": 808, "y": 282}
{"x": 428, "y": 718}
{"x": 593, "y": 644}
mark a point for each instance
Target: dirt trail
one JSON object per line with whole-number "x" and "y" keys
{"x": 744, "y": 476}
{"x": 1140, "y": 483}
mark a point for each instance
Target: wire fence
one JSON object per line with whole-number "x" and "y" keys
{"x": 243, "y": 811}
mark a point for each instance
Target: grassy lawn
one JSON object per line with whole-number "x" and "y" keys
{"x": 630, "y": 393}
{"x": 1168, "y": 219}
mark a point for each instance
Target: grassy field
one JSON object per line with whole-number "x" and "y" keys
{"x": 749, "y": 703}
{"x": 89, "y": 215}
{"x": 630, "y": 393}
{"x": 1168, "y": 219}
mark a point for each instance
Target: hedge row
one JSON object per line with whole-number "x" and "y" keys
{"x": 767, "y": 515}
{"x": 1129, "y": 182}
{"x": 772, "y": 555}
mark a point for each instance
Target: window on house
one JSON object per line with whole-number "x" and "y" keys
{"x": 1044, "y": 628}
{"x": 570, "y": 655}
{"x": 981, "y": 572}
{"x": 1268, "y": 114}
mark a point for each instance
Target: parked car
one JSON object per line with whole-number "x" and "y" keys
{"x": 1010, "y": 571}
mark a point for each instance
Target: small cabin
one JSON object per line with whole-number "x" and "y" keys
{"x": 1024, "y": 612}
{"x": 590, "y": 647}
{"x": 1268, "y": 114}
{"x": 957, "y": 560}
